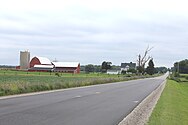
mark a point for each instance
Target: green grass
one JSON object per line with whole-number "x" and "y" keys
{"x": 16, "y": 82}
{"x": 172, "y": 108}
{"x": 10, "y": 84}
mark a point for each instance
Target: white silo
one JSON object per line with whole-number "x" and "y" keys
{"x": 24, "y": 59}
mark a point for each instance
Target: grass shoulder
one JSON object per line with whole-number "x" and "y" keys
{"x": 171, "y": 108}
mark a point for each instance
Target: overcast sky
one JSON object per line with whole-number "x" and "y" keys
{"x": 92, "y": 31}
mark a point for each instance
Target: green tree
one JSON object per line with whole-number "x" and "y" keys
{"x": 89, "y": 68}
{"x": 181, "y": 67}
{"x": 140, "y": 69}
{"x": 123, "y": 72}
{"x": 131, "y": 70}
{"x": 150, "y": 69}
{"x": 97, "y": 68}
{"x": 161, "y": 70}
{"x": 105, "y": 66}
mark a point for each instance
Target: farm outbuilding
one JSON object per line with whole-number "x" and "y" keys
{"x": 127, "y": 66}
{"x": 42, "y": 64}
{"x": 45, "y": 65}
{"x": 67, "y": 67}
{"x": 24, "y": 60}
{"x": 39, "y": 61}
{"x": 42, "y": 68}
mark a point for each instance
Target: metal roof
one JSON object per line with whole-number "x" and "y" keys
{"x": 66, "y": 64}
{"x": 130, "y": 65}
{"x": 44, "y": 60}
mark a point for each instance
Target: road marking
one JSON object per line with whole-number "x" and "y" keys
{"x": 78, "y": 96}
{"x": 135, "y": 101}
{"x": 97, "y": 92}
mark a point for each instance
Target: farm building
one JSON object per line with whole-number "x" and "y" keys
{"x": 42, "y": 68}
{"x": 127, "y": 66}
{"x": 39, "y": 61}
{"x": 67, "y": 67}
{"x": 45, "y": 65}
{"x": 24, "y": 60}
{"x": 113, "y": 72}
{"x": 40, "y": 64}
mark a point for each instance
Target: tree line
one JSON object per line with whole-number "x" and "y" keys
{"x": 181, "y": 66}
{"x": 140, "y": 69}
{"x": 150, "y": 69}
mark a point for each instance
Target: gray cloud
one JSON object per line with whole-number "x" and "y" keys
{"x": 92, "y": 34}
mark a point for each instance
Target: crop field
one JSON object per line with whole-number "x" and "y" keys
{"x": 17, "y": 82}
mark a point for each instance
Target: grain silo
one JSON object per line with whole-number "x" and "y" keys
{"x": 24, "y": 59}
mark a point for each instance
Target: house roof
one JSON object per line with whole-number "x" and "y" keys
{"x": 44, "y": 60}
{"x": 130, "y": 65}
{"x": 66, "y": 64}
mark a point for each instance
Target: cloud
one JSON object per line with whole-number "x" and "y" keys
{"x": 94, "y": 31}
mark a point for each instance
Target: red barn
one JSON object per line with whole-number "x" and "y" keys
{"x": 45, "y": 65}
{"x": 67, "y": 67}
{"x": 41, "y": 64}
{"x": 39, "y": 61}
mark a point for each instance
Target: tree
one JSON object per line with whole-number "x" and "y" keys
{"x": 97, "y": 68}
{"x": 161, "y": 70}
{"x": 89, "y": 68}
{"x": 105, "y": 66}
{"x": 131, "y": 70}
{"x": 142, "y": 60}
{"x": 123, "y": 72}
{"x": 150, "y": 69}
{"x": 181, "y": 67}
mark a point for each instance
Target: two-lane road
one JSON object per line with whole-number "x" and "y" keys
{"x": 105, "y": 104}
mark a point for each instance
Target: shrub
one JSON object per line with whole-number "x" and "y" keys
{"x": 175, "y": 78}
{"x": 57, "y": 74}
{"x": 176, "y": 74}
{"x": 186, "y": 77}
{"x": 123, "y": 72}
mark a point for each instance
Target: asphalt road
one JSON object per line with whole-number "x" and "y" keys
{"x": 105, "y": 104}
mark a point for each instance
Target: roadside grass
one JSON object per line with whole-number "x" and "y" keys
{"x": 172, "y": 107}
{"x": 17, "y": 82}
{"x": 10, "y": 84}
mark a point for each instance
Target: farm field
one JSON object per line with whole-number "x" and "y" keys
{"x": 171, "y": 108}
{"x": 17, "y": 82}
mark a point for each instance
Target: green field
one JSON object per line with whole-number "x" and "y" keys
{"x": 16, "y": 82}
{"x": 172, "y": 108}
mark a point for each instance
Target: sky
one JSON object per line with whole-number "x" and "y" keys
{"x": 93, "y": 31}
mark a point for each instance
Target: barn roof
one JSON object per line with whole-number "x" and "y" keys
{"x": 66, "y": 64}
{"x": 44, "y": 60}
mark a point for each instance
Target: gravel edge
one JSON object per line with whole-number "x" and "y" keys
{"x": 140, "y": 115}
